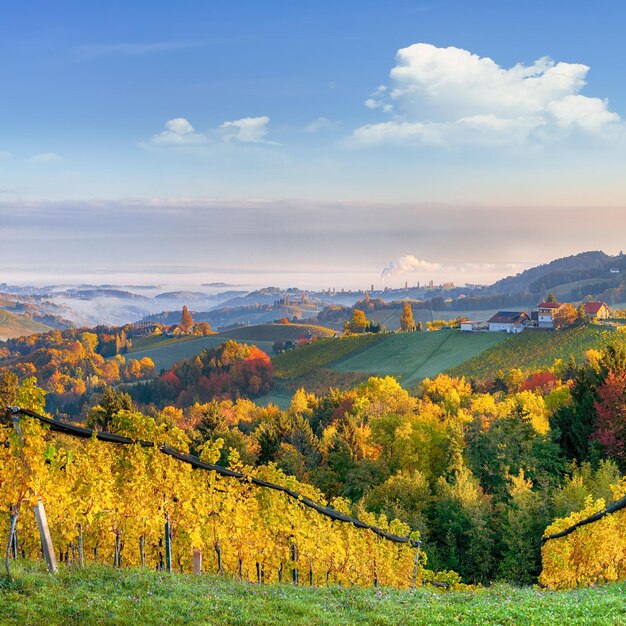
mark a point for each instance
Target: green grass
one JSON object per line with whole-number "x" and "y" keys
{"x": 107, "y": 597}
{"x": 534, "y": 349}
{"x": 174, "y": 349}
{"x": 411, "y": 357}
{"x": 275, "y": 332}
{"x": 320, "y": 354}
{"x": 165, "y": 351}
{"x": 12, "y": 325}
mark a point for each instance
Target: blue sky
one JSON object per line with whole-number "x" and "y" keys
{"x": 354, "y": 113}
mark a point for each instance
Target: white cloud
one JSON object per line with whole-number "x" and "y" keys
{"x": 247, "y": 129}
{"x": 450, "y": 96}
{"x": 408, "y": 263}
{"x": 321, "y": 123}
{"x": 45, "y": 157}
{"x": 179, "y": 132}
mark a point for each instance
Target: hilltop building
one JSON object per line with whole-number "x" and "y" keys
{"x": 597, "y": 310}
{"x": 546, "y": 312}
{"x": 508, "y": 322}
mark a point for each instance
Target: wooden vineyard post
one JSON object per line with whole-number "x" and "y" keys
{"x": 168, "y": 546}
{"x": 81, "y": 552}
{"x": 46, "y": 539}
{"x": 294, "y": 559}
{"x": 13, "y": 532}
{"x": 197, "y": 562}
{"x": 142, "y": 550}
{"x": 417, "y": 545}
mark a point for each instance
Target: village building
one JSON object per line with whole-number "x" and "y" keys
{"x": 508, "y": 322}
{"x": 469, "y": 326}
{"x": 597, "y": 310}
{"x": 546, "y": 312}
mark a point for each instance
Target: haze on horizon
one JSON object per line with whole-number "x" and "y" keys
{"x": 308, "y": 145}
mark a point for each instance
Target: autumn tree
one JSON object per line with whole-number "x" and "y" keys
{"x": 566, "y": 316}
{"x": 407, "y": 324}
{"x": 357, "y": 323}
{"x": 186, "y": 321}
{"x": 582, "y": 314}
{"x": 202, "y": 328}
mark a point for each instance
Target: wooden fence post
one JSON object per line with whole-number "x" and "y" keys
{"x": 46, "y": 539}
{"x": 14, "y": 515}
{"x": 168, "y": 546}
{"x": 294, "y": 559}
{"x": 417, "y": 545}
{"x": 81, "y": 552}
{"x": 142, "y": 550}
{"x": 197, "y": 562}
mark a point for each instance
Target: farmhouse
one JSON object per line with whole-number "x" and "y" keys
{"x": 546, "y": 312}
{"x": 597, "y": 310}
{"x": 508, "y": 322}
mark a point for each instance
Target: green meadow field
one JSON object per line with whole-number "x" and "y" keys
{"x": 165, "y": 351}
{"x": 103, "y": 596}
{"x": 536, "y": 348}
{"x": 411, "y": 357}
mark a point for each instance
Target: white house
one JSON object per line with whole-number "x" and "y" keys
{"x": 546, "y": 312}
{"x": 470, "y": 326}
{"x": 508, "y": 322}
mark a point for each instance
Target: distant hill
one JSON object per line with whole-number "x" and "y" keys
{"x": 13, "y": 326}
{"x": 591, "y": 266}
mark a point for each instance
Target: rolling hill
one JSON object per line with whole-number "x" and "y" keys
{"x": 12, "y": 326}
{"x": 165, "y": 351}
{"x": 535, "y": 348}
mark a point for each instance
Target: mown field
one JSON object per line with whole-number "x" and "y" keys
{"x": 536, "y": 348}
{"x": 165, "y": 351}
{"x": 320, "y": 354}
{"x": 12, "y": 325}
{"x": 105, "y": 596}
{"x": 275, "y": 332}
{"x": 411, "y": 357}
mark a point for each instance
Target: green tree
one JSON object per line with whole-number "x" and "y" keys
{"x": 111, "y": 403}
{"x": 407, "y": 323}
{"x": 551, "y": 297}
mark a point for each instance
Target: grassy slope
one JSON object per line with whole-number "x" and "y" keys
{"x": 169, "y": 352}
{"x": 410, "y": 357}
{"x": 534, "y": 349}
{"x": 12, "y": 325}
{"x": 107, "y": 597}
{"x": 320, "y": 354}
{"x": 275, "y": 332}
{"x": 165, "y": 351}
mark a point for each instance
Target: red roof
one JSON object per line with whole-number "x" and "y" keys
{"x": 592, "y": 308}
{"x": 549, "y": 305}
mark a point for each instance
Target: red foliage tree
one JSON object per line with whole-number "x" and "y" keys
{"x": 545, "y": 381}
{"x": 610, "y": 430}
